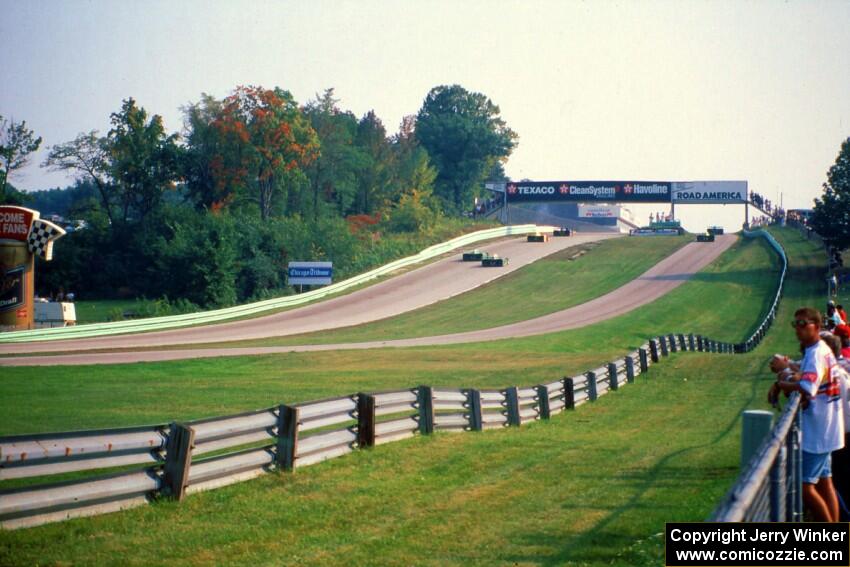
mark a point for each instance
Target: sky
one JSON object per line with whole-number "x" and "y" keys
{"x": 596, "y": 90}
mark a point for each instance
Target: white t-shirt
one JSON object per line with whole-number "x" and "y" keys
{"x": 823, "y": 419}
{"x": 844, "y": 383}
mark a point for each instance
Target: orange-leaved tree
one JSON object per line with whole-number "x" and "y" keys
{"x": 266, "y": 143}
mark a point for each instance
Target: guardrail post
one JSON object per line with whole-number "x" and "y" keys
{"x": 425, "y": 399}
{"x": 569, "y": 394}
{"x": 287, "y": 437}
{"x": 473, "y": 403}
{"x": 662, "y": 341}
{"x": 630, "y": 369}
{"x": 653, "y": 350}
{"x": 692, "y": 342}
{"x": 642, "y": 358}
{"x": 795, "y": 492}
{"x": 178, "y": 460}
{"x": 672, "y": 340}
{"x": 543, "y": 401}
{"x": 512, "y": 403}
{"x": 365, "y": 420}
{"x": 777, "y": 486}
{"x": 612, "y": 376}
{"x": 591, "y": 385}
{"x": 755, "y": 426}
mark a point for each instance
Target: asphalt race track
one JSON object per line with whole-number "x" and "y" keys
{"x": 409, "y": 291}
{"x": 422, "y": 286}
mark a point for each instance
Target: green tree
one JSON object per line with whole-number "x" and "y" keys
{"x": 831, "y": 217}
{"x": 17, "y": 142}
{"x": 87, "y": 157}
{"x": 334, "y": 175}
{"x": 376, "y": 174}
{"x": 132, "y": 166}
{"x": 143, "y": 160}
{"x": 204, "y": 153}
{"x": 464, "y": 137}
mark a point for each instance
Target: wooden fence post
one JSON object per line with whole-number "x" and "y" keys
{"x": 287, "y": 437}
{"x": 662, "y": 341}
{"x": 473, "y": 399}
{"x": 671, "y": 338}
{"x": 543, "y": 401}
{"x": 653, "y": 350}
{"x": 642, "y": 358}
{"x": 512, "y": 402}
{"x": 365, "y": 420}
{"x": 569, "y": 394}
{"x": 692, "y": 342}
{"x": 178, "y": 460}
{"x": 425, "y": 398}
{"x": 682, "y": 342}
{"x": 591, "y": 385}
{"x": 700, "y": 343}
{"x": 612, "y": 376}
{"x": 630, "y": 369}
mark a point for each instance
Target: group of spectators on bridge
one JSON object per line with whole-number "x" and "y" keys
{"x": 822, "y": 378}
{"x": 484, "y": 206}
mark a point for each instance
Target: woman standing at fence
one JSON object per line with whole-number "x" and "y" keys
{"x": 822, "y": 417}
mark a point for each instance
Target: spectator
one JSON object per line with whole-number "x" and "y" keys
{"x": 841, "y": 458}
{"x": 833, "y": 319}
{"x": 842, "y": 313}
{"x": 843, "y": 333}
{"x": 822, "y": 415}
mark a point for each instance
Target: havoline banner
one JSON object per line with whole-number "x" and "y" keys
{"x": 710, "y": 192}
{"x": 589, "y": 191}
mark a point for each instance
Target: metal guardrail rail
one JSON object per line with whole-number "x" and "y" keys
{"x": 176, "y": 321}
{"x": 183, "y": 458}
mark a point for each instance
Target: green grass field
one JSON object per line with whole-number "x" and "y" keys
{"x": 101, "y": 310}
{"x": 593, "y": 486}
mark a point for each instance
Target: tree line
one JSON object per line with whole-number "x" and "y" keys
{"x": 211, "y": 215}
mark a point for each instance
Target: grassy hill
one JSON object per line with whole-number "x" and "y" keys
{"x": 593, "y": 486}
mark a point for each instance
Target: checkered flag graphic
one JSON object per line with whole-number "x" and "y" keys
{"x": 41, "y": 237}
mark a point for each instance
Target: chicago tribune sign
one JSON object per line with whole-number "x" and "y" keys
{"x": 627, "y": 191}
{"x": 310, "y": 273}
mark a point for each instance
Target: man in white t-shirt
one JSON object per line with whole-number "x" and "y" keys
{"x": 818, "y": 382}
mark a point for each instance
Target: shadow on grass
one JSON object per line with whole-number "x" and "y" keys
{"x": 599, "y": 544}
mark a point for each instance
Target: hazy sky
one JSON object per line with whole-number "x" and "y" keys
{"x": 596, "y": 90}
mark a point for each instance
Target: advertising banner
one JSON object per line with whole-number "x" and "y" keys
{"x": 710, "y": 192}
{"x": 310, "y": 273}
{"x": 589, "y": 191}
{"x": 599, "y": 211}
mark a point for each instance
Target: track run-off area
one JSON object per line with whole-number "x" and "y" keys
{"x": 410, "y": 291}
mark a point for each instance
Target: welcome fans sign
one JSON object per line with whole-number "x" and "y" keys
{"x": 707, "y": 192}
{"x": 23, "y": 236}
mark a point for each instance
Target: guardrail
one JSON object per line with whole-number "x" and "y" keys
{"x": 770, "y": 487}
{"x": 184, "y": 458}
{"x": 176, "y": 321}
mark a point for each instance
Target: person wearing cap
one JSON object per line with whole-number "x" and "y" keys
{"x": 818, "y": 383}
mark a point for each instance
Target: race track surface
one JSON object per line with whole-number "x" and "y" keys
{"x": 417, "y": 288}
{"x": 389, "y": 298}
